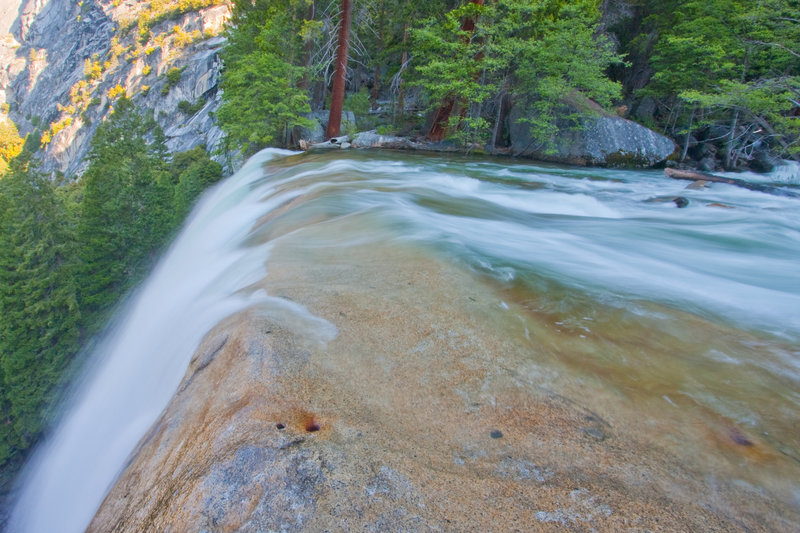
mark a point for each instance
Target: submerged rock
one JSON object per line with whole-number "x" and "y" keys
{"x": 680, "y": 202}
{"x": 599, "y": 140}
{"x": 394, "y": 424}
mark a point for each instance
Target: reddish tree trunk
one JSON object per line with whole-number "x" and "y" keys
{"x": 340, "y": 76}
{"x": 441, "y": 119}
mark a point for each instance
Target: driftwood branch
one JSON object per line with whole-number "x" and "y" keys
{"x": 693, "y": 175}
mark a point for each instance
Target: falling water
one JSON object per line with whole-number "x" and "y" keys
{"x": 138, "y": 365}
{"x": 691, "y": 309}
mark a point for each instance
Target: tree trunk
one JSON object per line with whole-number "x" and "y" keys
{"x": 340, "y": 76}
{"x": 693, "y": 175}
{"x": 688, "y": 136}
{"x": 441, "y": 119}
{"x": 729, "y": 146}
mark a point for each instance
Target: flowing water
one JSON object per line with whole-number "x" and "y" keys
{"x": 688, "y": 319}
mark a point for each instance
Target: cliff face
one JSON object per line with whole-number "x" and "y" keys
{"x": 66, "y": 61}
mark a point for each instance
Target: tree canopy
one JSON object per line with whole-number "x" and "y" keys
{"x": 70, "y": 252}
{"x": 454, "y": 68}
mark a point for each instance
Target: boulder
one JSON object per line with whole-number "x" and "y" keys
{"x": 315, "y": 132}
{"x": 599, "y": 140}
{"x": 763, "y": 160}
{"x": 372, "y": 139}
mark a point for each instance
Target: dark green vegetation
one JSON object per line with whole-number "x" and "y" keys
{"x": 264, "y": 87}
{"x": 70, "y": 252}
{"x": 720, "y": 77}
{"x": 723, "y": 76}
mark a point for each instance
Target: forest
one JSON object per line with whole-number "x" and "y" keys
{"x": 69, "y": 251}
{"x": 720, "y": 77}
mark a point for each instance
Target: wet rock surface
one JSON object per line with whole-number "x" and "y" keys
{"x": 423, "y": 413}
{"x": 598, "y": 139}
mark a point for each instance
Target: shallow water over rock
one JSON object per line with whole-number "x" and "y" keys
{"x": 465, "y": 344}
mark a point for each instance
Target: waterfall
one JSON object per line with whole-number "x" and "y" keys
{"x": 606, "y": 280}
{"x": 136, "y": 367}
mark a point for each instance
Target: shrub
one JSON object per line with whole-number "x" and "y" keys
{"x": 174, "y": 76}
{"x": 184, "y": 106}
{"x": 116, "y": 91}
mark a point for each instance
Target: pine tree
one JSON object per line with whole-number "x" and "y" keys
{"x": 126, "y": 209}
{"x": 340, "y": 74}
{"x": 538, "y": 54}
{"x": 39, "y": 315}
{"x": 262, "y": 99}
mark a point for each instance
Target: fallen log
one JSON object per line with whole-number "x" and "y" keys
{"x": 693, "y": 175}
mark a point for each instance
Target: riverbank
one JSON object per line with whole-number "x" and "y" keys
{"x": 786, "y": 172}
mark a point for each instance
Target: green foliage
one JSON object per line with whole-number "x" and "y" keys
{"x": 39, "y": 314}
{"x": 125, "y": 209}
{"x": 358, "y": 102}
{"x": 188, "y": 108}
{"x": 539, "y": 53}
{"x": 261, "y": 97}
{"x": 734, "y": 63}
{"x": 69, "y": 252}
{"x": 195, "y": 172}
{"x": 173, "y": 76}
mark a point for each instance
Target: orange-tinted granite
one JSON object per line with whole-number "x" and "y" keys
{"x": 434, "y": 409}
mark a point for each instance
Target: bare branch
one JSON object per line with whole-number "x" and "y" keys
{"x": 777, "y": 45}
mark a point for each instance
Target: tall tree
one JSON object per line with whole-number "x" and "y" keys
{"x": 264, "y": 94}
{"x": 39, "y": 315}
{"x": 539, "y": 54}
{"x": 735, "y": 64}
{"x": 126, "y": 209}
{"x": 340, "y": 75}
{"x": 441, "y": 119}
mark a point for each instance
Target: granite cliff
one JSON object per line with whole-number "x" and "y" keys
{"x": 64, "y": 62}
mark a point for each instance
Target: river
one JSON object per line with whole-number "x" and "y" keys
{"x": 679, "y": 325}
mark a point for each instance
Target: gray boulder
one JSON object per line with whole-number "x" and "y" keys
{"x": 372, "y": 139}
{"x": 600, "y": 140}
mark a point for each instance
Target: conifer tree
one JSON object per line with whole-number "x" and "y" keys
{"x": 39, "y": 314}
{"x": 126, "y": 209}
{"x": 262, "y": 99}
